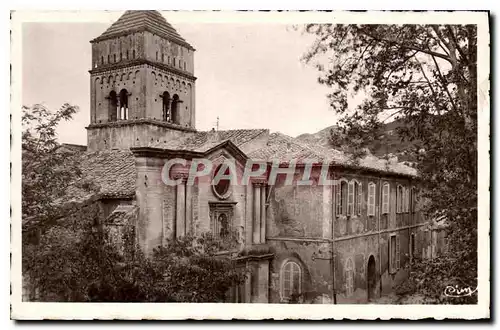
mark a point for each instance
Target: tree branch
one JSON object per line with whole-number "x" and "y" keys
{"x": 445, "y": 85}
{"x": 412, "y": 47}
{"x": 457, "y": 47}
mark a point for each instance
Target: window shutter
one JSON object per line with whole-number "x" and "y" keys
{"x": 360, "y": 196}
{"x": 405, "y": 204}
{"x": 414, "y": 199}
{"x": 350, "y": 203}
{"x": 397, "y": 252}
{"x": 399, "y": 198}
{"x": 403, "y": 208}
{"x": 287, "y": 281}
{"x": 371, "y": 199}
{"x": 338, "y": 200}
{"x": 408, "y": 200}
{"x": 392, "y": 253}
{"x": 385, "y": 199}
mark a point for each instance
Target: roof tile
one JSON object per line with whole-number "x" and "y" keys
{"x": 113, "y": 171}
{"x": 151, "y": 20}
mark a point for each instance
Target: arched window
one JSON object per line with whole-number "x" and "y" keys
{"x": 349, "y": 277}
{"x": 291, "y": 280}
{"x": 341, "y": 197}
{"x": 113, "y": 106}
{"x": 123, "y": 110}
{"x": 166, "y": 106}
{"x": 175, "y": 109}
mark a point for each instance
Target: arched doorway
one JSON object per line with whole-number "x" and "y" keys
{"x": 371, "y": 277}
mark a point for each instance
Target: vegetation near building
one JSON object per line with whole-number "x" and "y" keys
{"x": 100, "y": 225}
{"x": 425, "y": 78}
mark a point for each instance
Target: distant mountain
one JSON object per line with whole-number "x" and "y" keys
{"x": 321, "y": 137}
{"x": 388, "y": 142}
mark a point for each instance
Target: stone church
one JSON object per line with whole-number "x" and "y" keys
{"x": 341, "y": 243}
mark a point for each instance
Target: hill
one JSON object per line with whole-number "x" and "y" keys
{"x": 389, "y": 141}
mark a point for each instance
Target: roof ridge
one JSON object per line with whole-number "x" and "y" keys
{"x": 151, "y": 20}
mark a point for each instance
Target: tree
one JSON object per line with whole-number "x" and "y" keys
{"x": 67, "y": 255}
{"x": 425, "y": 77}
{"x": 47, "y": 170}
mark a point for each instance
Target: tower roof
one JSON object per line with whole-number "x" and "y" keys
{"x": 143, "y": 20}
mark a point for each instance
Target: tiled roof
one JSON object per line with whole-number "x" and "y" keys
{"x": 203, "y": 141}
{"x": 113, "y": 171}
{"x": 283, "y": 148}
{"x": 151, "y": 20}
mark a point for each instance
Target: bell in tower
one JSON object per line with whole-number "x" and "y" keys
{"x": 142, "y": 83}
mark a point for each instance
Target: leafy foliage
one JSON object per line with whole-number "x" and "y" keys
{"x": 73, "y": 264}
{"x": 427, "y": 277}
{"x": 47, "y": 169}
{"x": 424, "y": 76}
{"x": 67, "y": 255}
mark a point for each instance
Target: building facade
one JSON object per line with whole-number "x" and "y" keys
{"x": 343, "y": 242}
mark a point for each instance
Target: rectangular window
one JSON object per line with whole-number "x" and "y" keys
{"x": 399, "y": 199}
{"x": 385, "y": 199}
{"x": 412, "y": 245}
{"x": 338, "y": 202}
{"x": 398, "y": 256}
{"x": 357, "y": 198}
{"x": 350, "y": 204}
{"x": 394, "y": 253}
{"x": 407, "y": 203}
{"x": 413, "y": 199}
{"x": 341, "y": 198}
{"x": 371, "y": 199}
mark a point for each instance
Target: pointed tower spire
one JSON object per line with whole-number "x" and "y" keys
{"x": 142, "y": 83}
{"x": 143, "y": 20}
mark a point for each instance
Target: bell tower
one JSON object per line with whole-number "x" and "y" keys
{"x": 142, "y": 83}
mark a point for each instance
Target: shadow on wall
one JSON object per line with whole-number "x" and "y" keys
{"x": 287, "y": 225}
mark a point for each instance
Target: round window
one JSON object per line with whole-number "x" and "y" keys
{"x": 221, "y": 188}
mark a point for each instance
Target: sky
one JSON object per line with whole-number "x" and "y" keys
{"x": 249, "y": 74}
